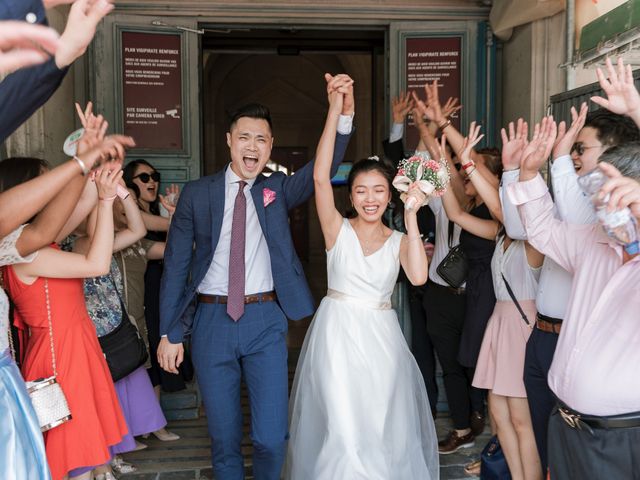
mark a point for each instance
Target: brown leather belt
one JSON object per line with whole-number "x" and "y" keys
{"x": 254, "y": 298}
{"x": 548, "y": 324}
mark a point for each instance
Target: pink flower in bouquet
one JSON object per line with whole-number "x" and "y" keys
{"x": 268, "y": 196}
{"x": 433, "y": 165}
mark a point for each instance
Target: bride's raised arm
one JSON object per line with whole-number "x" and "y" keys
{"x": 330, "y": 218}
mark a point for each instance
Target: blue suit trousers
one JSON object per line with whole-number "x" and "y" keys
{"x": 224, "y": 352}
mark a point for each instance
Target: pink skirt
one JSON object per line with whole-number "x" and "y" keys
{"x": 500, "y": 365}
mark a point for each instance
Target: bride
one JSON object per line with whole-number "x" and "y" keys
{"x": 359, "y": 407}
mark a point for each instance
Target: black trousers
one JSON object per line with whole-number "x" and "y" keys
{"x": 604, "y": 454}
{"x": 537, "y": 362}
{"x": 445, "y": 311}
{"x": 421, "y": 345}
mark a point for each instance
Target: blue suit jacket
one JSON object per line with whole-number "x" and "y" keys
{"x": 195, "y": 230}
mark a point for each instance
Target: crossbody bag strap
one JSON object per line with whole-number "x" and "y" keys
{"x": 124, "y": 280}
{"x": 513, "y": 297}
{"x": 451, "y": 227}
{"x": 53, "y": 352}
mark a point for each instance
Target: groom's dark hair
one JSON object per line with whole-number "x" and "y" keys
{"x": 253, "y": 110}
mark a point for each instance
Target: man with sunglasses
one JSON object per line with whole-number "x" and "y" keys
{"x": 232, "y": 278}
{"x": 576, "y": 153}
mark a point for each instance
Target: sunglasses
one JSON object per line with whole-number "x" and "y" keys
{"x": 579, "y": 148}
{"x": 145, "y": 177}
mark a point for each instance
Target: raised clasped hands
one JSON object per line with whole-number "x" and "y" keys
{"x": 539, "y": 148}
{"x": 513, "y": 144}
{"x": 622, "y": 96}
{"x": 340, "y": 85}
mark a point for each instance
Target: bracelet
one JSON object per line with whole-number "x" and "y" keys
{"x": 470, "y": 163}
{"x": 469, "y": 173}
{"x": 108, "y": 199}
{"x": 81, "y": 164}
{"x": 443, "y": 125}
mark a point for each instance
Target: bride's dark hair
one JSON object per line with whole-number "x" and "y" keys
{"x": 370, "y": 165}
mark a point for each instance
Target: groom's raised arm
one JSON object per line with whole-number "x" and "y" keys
{"x": 177, "y": 265}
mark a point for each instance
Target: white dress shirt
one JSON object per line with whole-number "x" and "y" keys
{"x": 442, "y": 239}
{"x": 555, "y": 282}
{"x": 397, "y": 130}
{"x": 596, "y": 362}
{"x": 257, "y": 273}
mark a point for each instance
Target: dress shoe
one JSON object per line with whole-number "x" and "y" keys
{"x": 164, "y": 435}
{"x": 454, "y": 442}
{"x": 476, "y": 422}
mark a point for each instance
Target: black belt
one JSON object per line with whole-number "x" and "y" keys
{"x": 587, "y": 422}
{"x": 455, "y": 291}
{"x": 548, "y": 324}
{"x": 544, "y": 318}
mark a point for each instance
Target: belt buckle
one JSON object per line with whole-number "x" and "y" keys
{"x": 571, "y": 419}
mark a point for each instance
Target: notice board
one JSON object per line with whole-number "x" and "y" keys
{"x": 152, "y": 90}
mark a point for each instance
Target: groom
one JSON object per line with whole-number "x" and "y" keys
{"x": 231, "y": 279}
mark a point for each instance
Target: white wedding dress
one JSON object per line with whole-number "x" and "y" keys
{"x": 359, "y": 407}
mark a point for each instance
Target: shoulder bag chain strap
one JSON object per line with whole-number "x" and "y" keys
{"x": 53, "y": 353}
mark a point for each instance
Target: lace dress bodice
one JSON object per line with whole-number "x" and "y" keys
{"x": 8, "y": 256}
{"x": 370, "y": 277}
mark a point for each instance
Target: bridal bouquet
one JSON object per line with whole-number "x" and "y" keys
{"x": 432, "y": 177}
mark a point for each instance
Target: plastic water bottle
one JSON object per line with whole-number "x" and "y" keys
{"x": 619, "y": 224}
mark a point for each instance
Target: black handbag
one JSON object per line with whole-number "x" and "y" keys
{"x": 123, "y": 348}
{"x": 493, "y": 463}
{"x": 454, "y": 267}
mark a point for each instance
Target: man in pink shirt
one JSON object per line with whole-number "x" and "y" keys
{"x": 595, "y": 430}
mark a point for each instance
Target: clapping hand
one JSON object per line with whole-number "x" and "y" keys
{"x": 95, "y": 128}
{"x": 622, "y": 96}
{"x": 107, "y": 182}
{"x": 401, "y": 106}
{"x": 623, "y": 191}
{"x": 83, "y": 19}
{"x": 170, "y": 198}
{"x": 538, "y": 150}
{"x": 566, "y": 138}
{"x": 514, "y": 144}
{"x": 341, "y": 84}
{"x": 23, "y": 45}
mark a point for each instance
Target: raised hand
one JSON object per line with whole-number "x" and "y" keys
{"x": 23, "y": 45}
{"x": 623, "y": 191}
{"x": 538, "y": 150}
{"x": 112, "y": 148}
{"x": 470, "y": 141}
{"x": 567, "y": 137}
{"x": 342, "y": 84}
{"x": 83, "y": 19}
{"x": 95, "y": 128}
{"x": 170, "y": 198}
{"x": 622, "y": 96}
{"x": 513, "y": 145}
{"x": 451, "y": 107}
{"x": 401, "y": 106}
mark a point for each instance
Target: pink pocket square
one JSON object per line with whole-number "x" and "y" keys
{"x": 268, "y": 196}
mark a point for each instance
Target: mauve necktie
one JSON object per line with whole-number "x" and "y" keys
{"x": 235, "y": 294}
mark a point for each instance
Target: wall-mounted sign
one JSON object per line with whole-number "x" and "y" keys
{"x": 429, "y": 59}
{"x": 152, "y": 90}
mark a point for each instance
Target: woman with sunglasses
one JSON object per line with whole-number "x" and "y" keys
{"x": 144, "y": 180}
